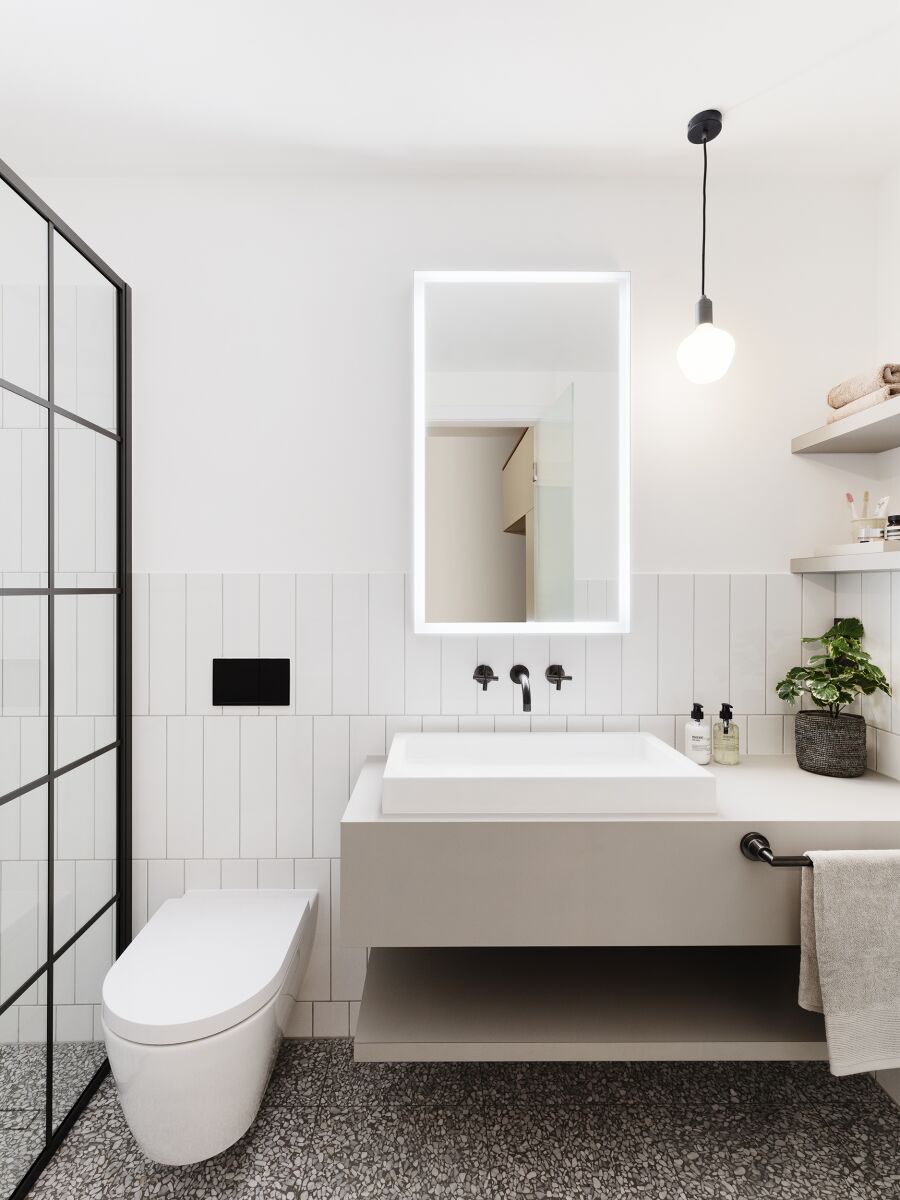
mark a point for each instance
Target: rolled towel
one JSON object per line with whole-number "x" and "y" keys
{"x": 862, "y": 403}
{"x": 862, "y": 385}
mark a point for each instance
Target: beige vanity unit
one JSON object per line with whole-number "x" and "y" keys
{"x": 594, "y": 936}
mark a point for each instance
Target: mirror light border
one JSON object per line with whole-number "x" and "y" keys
{"x": 622, "y": 624}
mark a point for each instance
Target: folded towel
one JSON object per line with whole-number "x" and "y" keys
{"x": 861, "y": 385}
{"x": 850, "y": 955}
{"x": 863, "y": 402}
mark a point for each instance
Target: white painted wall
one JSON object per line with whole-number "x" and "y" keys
{"x": 272, "y": 347}
{"x": 888, "y": 287}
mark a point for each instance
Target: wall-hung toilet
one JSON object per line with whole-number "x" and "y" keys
{"x": 194, "y": 1011}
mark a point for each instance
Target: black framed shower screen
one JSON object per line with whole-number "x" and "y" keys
{"x": 65, "y": 758}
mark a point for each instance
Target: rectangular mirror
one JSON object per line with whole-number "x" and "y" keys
{"x": 521, "y": 434}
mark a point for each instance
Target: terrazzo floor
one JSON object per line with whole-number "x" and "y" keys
{"x": 332, "y": 1128}
{"x": 23, "y": 1084}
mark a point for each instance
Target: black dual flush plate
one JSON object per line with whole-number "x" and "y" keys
{"x": 251, "y": 681}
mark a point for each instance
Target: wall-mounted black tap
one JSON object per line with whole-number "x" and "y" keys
{"x": 557, "y": 675}
{"x": 519, "y": 675}
{"x": 484, "y": 675}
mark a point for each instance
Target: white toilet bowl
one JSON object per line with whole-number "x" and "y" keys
{"x": 193, "y": 1013}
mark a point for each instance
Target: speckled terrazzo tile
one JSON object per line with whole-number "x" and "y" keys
{"x": 358, "y": 1153}
{"x": 74, "y": 1066}
{"x": 543, "y": 1154}
{"x": 18, "y": 1118}
{"x": 451, "y": 1157}
{"x": 300, "y": 1071}
{"x": 351, "y": 1083}
{"x": 18, "y": 1150}
{"x": 777, "y": 1159}
{"x": 105, "y": 1094}
{"x": 555, "y": 1083}
{"x": 100, "y": 1159}
{"x": 23, "y": 1075}
{"x": 268, "y": 1163}
{"x": 871, "y": 1142}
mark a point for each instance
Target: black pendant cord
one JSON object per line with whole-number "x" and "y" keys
{"x": 703, "y": 240}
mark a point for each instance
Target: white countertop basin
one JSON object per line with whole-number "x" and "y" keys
{"x": 548, "y": 773}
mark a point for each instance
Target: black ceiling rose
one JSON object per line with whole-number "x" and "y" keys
{"x": 704, "y": 126}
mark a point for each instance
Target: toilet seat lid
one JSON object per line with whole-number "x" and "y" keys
{"x": 205, "y": 962}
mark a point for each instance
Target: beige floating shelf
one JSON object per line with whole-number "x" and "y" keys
{"x": 603, "y": 1004}
{"x": 886, "y": 557}
{"x": 867, "y": 432}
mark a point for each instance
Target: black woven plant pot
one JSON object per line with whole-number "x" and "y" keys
{"x": 828, "y": 745}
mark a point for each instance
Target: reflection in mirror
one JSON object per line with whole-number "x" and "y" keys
{"x": 521, "y": 451}
{"x": 23, "y": 305}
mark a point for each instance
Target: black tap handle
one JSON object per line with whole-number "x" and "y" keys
{"x": 557, "y": 675}
{"x": 484, "y": 675}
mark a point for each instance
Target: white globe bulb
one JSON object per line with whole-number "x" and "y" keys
{"x": 705, "y": 355}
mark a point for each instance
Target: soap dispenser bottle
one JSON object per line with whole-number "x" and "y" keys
{"x": 726, "y": 739}
{"x": 696, "y": 736}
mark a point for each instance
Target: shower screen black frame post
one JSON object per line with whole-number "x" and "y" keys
{"x": 121, "y": 746}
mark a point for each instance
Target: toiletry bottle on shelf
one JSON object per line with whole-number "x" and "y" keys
{"x": 726, "y": 739}
{"x": 696, "y": 736}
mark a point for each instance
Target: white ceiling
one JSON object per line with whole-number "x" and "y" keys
{"x": 456, "y": 86}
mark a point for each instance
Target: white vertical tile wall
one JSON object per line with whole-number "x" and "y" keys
{"x": 240, "y": 799}
{"x": 640, "y": 649}
{"x": 203, "y": 640}
{"x": 748, "y": 643}
{"x": 386, "y": 644}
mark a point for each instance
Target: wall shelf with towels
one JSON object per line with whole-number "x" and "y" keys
{"x": 868, "y": 432}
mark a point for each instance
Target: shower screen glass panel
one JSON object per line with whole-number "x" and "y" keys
{"x": 521, "y": 413}
{"x": 64, "y": 856}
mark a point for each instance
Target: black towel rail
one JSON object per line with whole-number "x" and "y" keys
{"x": 755, "y": 846}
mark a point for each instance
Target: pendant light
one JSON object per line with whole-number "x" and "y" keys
{"x": 705, "y": 355}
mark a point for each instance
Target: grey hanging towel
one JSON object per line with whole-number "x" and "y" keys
{"x": 850, "y": 955}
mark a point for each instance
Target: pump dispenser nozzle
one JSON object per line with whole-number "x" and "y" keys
{"x": 726, "y": 715}
{"x": 697, "y": 712}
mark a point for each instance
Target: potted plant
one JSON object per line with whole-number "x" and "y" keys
{"x": 828, "y": 740}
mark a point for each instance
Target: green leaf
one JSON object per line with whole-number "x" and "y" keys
{"x": 838, "y": 672}
{"x": 848, "y": 627}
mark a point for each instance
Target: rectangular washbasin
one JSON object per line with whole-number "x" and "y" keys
{"x": 542, "y": 773}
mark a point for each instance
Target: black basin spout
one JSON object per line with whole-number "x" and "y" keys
{"x": 519, "y": 675}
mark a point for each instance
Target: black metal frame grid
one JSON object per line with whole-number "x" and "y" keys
{"x": 121, "y": 747}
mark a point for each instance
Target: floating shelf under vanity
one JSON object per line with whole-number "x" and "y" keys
{"x": 607, "y": 1004}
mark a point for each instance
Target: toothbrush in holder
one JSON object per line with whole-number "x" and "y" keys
{"x": 854, "y": 516}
